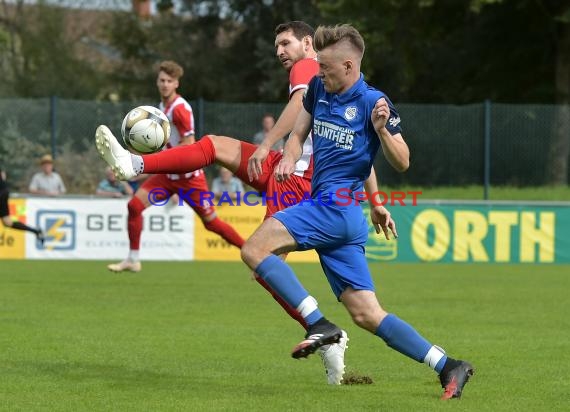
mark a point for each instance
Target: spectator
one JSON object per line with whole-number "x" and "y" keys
{"x": 137, "y": 181}
{"x": 267, "y": 123}
{"x": 111, "y": 187}
{"x": 226, "y": 184}
{"x": 47, "y": 182}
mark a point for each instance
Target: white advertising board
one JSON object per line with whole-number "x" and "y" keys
{"x": 96, "y": 228}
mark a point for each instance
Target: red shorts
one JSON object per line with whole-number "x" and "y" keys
{"x": 197, "y": 182}
{"x": 279, "y": 195}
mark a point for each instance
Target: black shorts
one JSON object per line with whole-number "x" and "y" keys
{"x": 4, "y": 211}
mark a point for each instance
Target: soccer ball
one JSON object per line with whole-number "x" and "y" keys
{"x": 145, "y": 129}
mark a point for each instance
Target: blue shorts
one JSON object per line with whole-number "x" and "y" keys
{"x": 338, "y": 234}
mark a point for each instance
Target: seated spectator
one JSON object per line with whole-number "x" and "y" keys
{"x": 111, "y": 187}
{"x": 267, "y": 123}
{"x": 226, "y": 183}
{"x": 47, "y": 182}
{"x": 136, "y": 182}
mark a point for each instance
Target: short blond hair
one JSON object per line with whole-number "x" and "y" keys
{"x": 326, "y": 36}
{"x": 171, "y": 68}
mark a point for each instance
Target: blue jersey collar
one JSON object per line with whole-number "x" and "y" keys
{"x": 353, "y": 91}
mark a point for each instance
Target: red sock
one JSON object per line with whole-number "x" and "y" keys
{"x": 135, "y": 222}
{"x": 181, "y": 159}
{"x": 288, "y": 308}
{"x": 226, "y": 231}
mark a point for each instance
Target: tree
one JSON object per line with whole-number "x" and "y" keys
{"x": 463, "y": 52}
{"x": 254, "y": 45}
{"x": 41, "y": 58}
{"x": 556, "y": 15}
{"x": 451, "y": 51}
{"x": 221, "y": 44}
{"x": 559, "y": 152}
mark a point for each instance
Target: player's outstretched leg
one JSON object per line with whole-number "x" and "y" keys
{"x": 210, "y": 149}
{"x": 401, "y": 336}
{"x": 367, "y": 313}
{"x": 280, "y": 277}
{"x": 332, "y": 355}
{"x": 8, "y": 222}
{"x": 257, "y": 254}
{"x": 118, "y": 158}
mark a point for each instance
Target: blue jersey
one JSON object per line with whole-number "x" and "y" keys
{"x": 344, "y": 140}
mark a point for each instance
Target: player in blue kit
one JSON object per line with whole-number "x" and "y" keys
{"x": 350, "y": 121}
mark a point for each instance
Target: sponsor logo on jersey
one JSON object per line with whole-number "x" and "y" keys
{"x": 342, "y": 136}
{"x": 394, "y": 121}
{"x": 350, "y": 113}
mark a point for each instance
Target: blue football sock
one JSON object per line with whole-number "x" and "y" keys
{"x": 283, "y": 281}
{"x": 402, "y": 337}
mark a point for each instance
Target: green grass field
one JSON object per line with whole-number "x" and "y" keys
{"x": 204, "y": 337}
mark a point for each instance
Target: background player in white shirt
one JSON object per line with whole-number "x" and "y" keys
{"x": 179, "y": 112}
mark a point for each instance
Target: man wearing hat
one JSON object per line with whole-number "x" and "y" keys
{"x": 47, "y": 182}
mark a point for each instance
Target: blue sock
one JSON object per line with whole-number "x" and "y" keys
{"x": 402, "y": 337}
{"x": 283, "y": 281}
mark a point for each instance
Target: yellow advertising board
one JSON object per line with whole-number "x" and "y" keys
{"x": 244, "y": 219}
{"x": 13, "y": 242}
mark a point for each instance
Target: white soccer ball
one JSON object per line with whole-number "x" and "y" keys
{"x": 145, "y": 129}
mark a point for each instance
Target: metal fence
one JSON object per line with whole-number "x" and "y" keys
{"x": 498, "y": 144}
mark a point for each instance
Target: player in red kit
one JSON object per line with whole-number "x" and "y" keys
{"x": 295, "y": 51}
{"x": 179, "y": 113}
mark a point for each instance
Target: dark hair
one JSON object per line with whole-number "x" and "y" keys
{"x": 299, "y": 28}
{"x": 326, "y": 36}
{"x": 171, "y": 68}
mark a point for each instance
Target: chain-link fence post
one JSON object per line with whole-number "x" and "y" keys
{"x": 487, "y": 150}
{"x": 53, "y": 124}
{"x": 200, "y": 125}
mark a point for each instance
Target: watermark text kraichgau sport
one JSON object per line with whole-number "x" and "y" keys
{"x": 342, "y": 197}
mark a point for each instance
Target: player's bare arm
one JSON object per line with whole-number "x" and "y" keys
{"x": 394, "y": 147}
{"x": 294, "y": 146}
{"x": 282, "y": 127}
{"x": 380, "y": 216}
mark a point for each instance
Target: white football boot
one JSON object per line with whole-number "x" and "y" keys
{"x": 118, "y": 158}
{"x": 125, "y": 265}
{"x": 333, "y": 359}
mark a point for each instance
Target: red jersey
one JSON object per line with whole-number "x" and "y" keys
{"x": 299, "y": 77}
{"x": 179, "y": 113}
